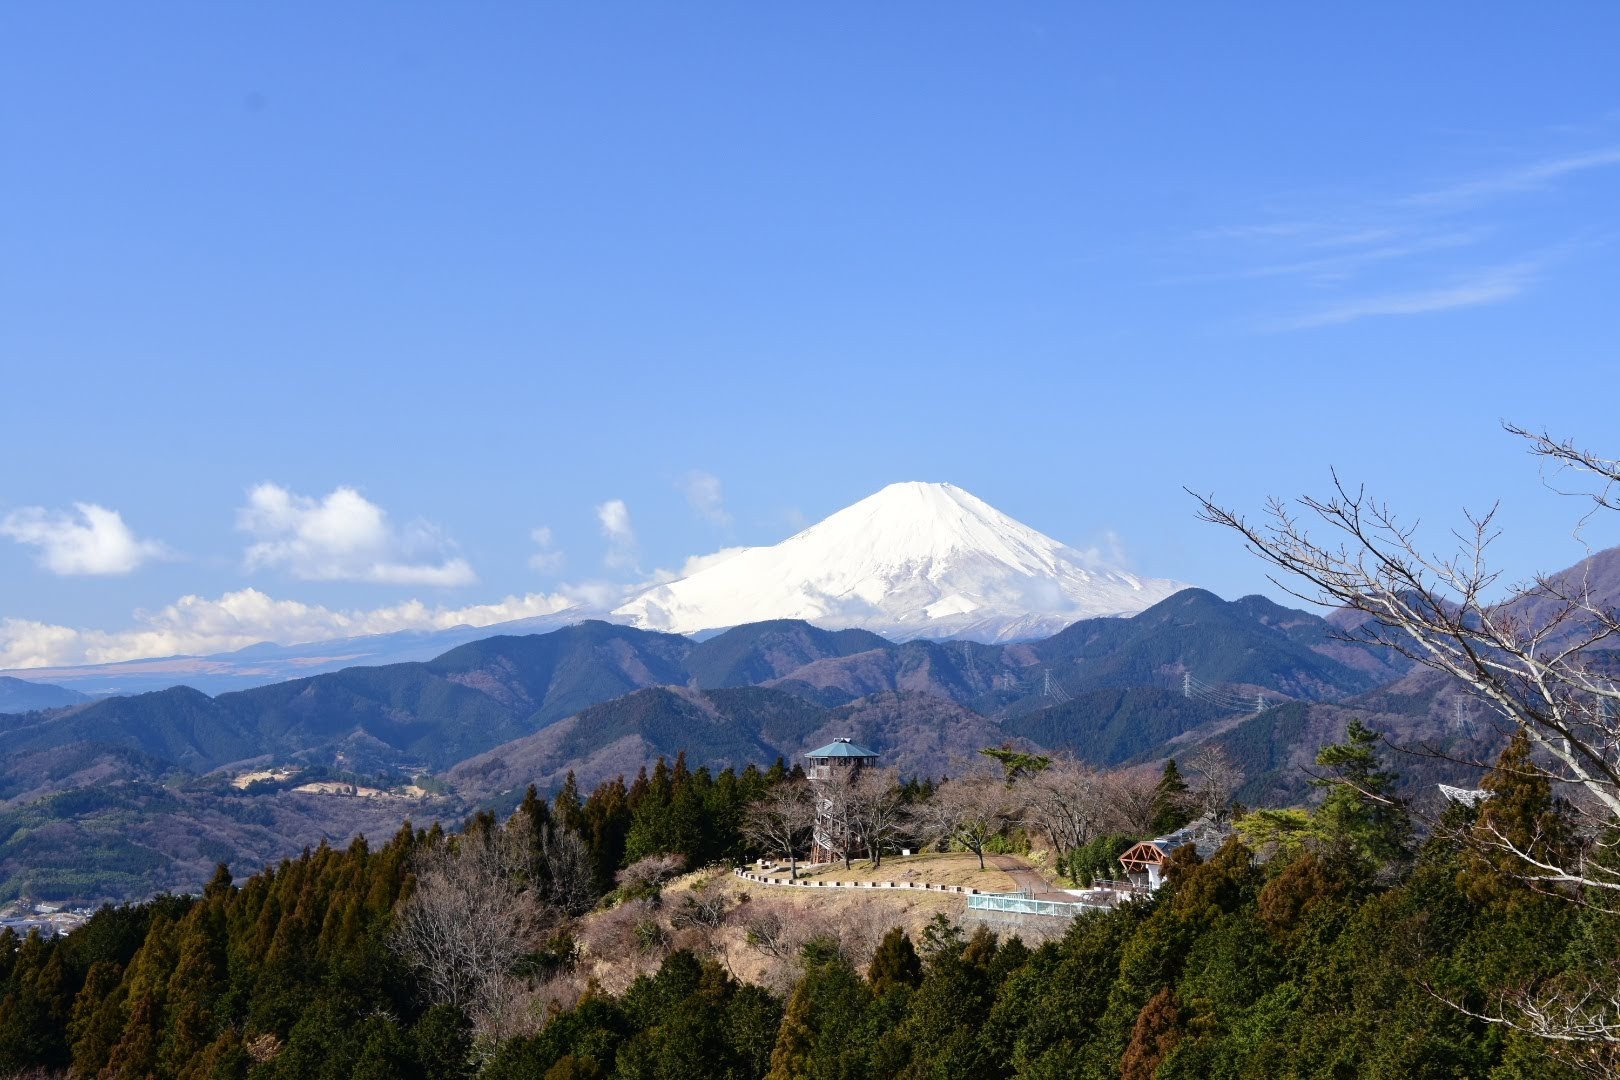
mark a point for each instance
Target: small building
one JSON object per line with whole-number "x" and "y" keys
{"x": 1144, "y": 863}
{"x": 838, "y": 759}
{"x": 839, "y": 762}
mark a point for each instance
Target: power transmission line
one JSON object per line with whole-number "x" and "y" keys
{"x": 1051, "y": 689}
{"x": 1196, "y": 689}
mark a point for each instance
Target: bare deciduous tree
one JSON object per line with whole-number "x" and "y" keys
{"x": 778, "y": 932}
{"x": 968, "y": 810}
{"x": 1074, "y": 803}
{"x": 647, "y": 874}
{"x": 618, "y": 944}
{"x": 1577, "y": 1013}
{"x": 1215, "y": 778}
{"x": 475, "y": 911}
{"x": 1531, "y": 655}
{"x": 781, "y": 821}
{"x": 871, "y": 810}
{"x": 769, "y": 933}
{"x": 1128, "y": 800}
{"x": 1538, "y": 655}
{"x": 1067, "y": 801}
{"x": 570, "y": 882}
{"x": 705, "y": 908}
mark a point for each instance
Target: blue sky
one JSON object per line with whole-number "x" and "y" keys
{"x": 356, "y": 316}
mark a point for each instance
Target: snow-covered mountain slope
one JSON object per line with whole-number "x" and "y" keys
{"x": 913, "y": 560}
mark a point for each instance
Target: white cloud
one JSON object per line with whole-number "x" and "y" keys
{"x": 546, "y": 557}
{"x": 692, "y": 565}
{"x": 598, "y": 596}
{"x": 702, "y": 562}
{"x": 703, "y": 495}
{"x": 1106, "y": 553}
{"x": 614, "y": 517}
{"x": 27, "y": 644}
{"x": 196, "y": 625}
{"x": 96, "y": 541}
{"x": 344, "y": 537}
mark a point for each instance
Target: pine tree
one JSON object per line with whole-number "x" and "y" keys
{"x": 752, "y": 1020}
{"x": 1158, "y": 1029}
{"x": 895, "y": 963}
{"x": 1170, "y": 801}
{"x": 193, "y": 988}
{"x": 34, "y": 1014}
{"x": 1520, "y": 813}
{"x": 444, "y": 1043}
{"x": 136, "y": 1052}
{"x": 566, "y": 805}
{"x": 97, "y": 1018}
{"x": 1361, "y": 810}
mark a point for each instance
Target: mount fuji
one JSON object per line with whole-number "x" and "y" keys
{"x": 915, "y": 560}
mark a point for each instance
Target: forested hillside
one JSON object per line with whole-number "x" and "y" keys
{"x": 1333, "y": 949}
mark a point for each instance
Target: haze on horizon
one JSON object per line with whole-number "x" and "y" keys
{"x": 321, "y": 322}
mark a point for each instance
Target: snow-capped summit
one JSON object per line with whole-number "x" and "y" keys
{"x": 913, "y": 560}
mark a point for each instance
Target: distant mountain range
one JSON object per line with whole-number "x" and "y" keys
{"x": 19, "y": 695}
{"x": 479, "y": 695}
{"x": 914, "y": 560}
{"x": 139, "y": 783}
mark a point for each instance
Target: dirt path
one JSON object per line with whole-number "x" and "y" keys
{"x": 1027, "y": 877}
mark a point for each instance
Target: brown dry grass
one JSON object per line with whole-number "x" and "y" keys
{"x": 619, "y": 944}
{"x": 612, "y": 953}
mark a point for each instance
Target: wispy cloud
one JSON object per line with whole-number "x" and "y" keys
{"x": 1517, "y": 179}
{"x": 614, "y": 518}
{"x": 1106, "y": 553}
{"x": 344, "y": 537}
{"x": 1492, "y": 287}
{"x": 1302, "y": 233}
{"x": 1344, "y": 264}
{"x": 704, "y": 496}
{"x": 92, "y": 540}
{"x": 1442, "y": 248}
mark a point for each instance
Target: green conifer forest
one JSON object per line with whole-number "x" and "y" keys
{"x": 1336, "y": 946}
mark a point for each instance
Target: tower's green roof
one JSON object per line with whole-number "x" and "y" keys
{"x": 841, "y": 748}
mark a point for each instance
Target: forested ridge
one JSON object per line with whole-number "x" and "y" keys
{"x": 1333, "y": 947}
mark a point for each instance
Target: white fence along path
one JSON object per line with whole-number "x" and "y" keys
{"x": 807, "y": 883}
{"x": 1018, "y": 903}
